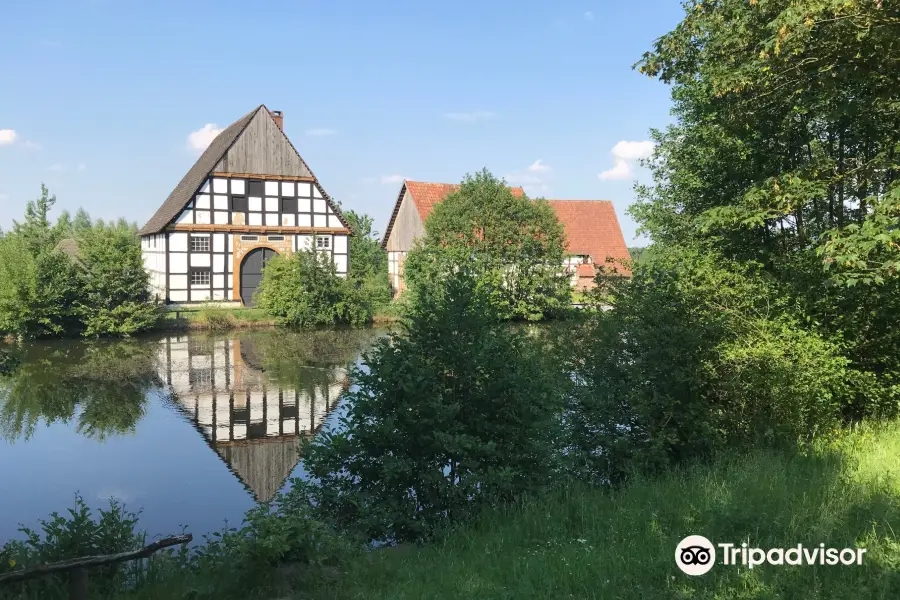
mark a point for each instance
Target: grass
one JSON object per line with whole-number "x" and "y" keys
{"x": 586, "y": 543}
{"x": 581, "y": 542}
{"x": 216, "y": 319}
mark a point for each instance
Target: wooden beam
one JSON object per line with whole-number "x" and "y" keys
{"x": 258, "y": 176}
{"x": 259, "y": 229}
{"x": 93, "y": 561}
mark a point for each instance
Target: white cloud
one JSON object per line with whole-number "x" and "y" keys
{"x": 621, "y": 170}
{"x": 320, "y": 131}
{"x": 8, "y": 137}
{"x": 57, "y": 167}
{"x": 533, "y": 179}
{"x": 202, "y": 138}
{"x": 538, "y": 166}
{"x": 81, "y": 167}
{"x": 625, "y": 153}
{"x": 476, "y": 115}
{"x": 4, "y": 196}
{"x": 29, "y": 145}
{"x": 633, "y": 150}
{"x": 392, "y": 179}
{"x": 589, "y": 16}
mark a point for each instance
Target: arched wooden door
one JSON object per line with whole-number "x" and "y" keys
{"x": 251, "y": 272}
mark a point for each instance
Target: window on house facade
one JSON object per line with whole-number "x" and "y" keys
{"x": 239, "y": 203}
{"x": 256, "y": 188}
{"x": 289, "y": 205}
{"x": 323, "y": 243}
{"x": 249, "y": 238}
{"x": 276, "y": 238}
{"x": 199, "y": 243}
{"x": 200, "y": 276}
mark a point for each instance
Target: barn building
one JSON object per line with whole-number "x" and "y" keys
{"x": 253, "y": 423}
{"x": 592, "y": 231}
{"x": 249, "y": 197}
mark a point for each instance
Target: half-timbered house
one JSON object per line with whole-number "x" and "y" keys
{"x": 249, "y": 197}
{"x": 593, "y": 235}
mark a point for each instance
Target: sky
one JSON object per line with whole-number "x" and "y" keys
{"x": 109, "y": 102}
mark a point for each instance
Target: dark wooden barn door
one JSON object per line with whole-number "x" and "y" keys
{"x": 251, "y": 272}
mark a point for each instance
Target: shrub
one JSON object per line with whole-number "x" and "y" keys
{"x": 116, "y": 293}
{"x": 39, "y": 293}
{"x": 454, "y": 413}
{"x": 302, "y": 290}
{"x": 697, "y": 355}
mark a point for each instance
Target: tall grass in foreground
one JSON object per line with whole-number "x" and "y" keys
{"x": 587, "y": 543}
{"x": 575, "y": 542}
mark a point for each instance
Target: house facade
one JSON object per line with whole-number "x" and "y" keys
{"x": 592, "y": 231}
{"x": 248, "y": 198}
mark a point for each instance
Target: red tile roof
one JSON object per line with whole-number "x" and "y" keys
{"x": 584, "y": 270}
{"x": 592, "y": 229}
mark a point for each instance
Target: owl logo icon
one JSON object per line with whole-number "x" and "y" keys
{"x": 695, "y": 555}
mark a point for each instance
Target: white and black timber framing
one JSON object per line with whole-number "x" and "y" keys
{"x": 280, "y": 206}
{"x": 253, "y": 424}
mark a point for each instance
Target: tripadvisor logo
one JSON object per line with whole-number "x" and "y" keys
{"x": 696, "y": 555}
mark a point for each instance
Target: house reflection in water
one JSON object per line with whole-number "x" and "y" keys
{"x": 253, "y": 423}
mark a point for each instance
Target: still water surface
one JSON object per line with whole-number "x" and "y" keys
{"x": 191, "y": 429}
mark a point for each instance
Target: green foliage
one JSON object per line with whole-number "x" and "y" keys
{"x": 784, "y": 154}
{"x": 698, "y": 355}
{"x": 268, "y": 537}
{"x": 116, "y": 291}
{"x": 457, "y": 412}
{"x": 514, "y": 244}
{"x": 39, "y": 293}
{"x": 102, "y": 386}
{"x": 75, "y": 535}
{"x": 97, "y": 286}
{"x": 302, "y": 290}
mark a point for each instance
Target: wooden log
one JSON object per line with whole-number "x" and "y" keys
{"x": 86, "y": 562}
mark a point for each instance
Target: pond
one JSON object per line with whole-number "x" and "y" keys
{"x": 191, "y": 429}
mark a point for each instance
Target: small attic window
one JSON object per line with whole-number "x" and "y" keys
{"x": 256, "y": 188}
{"x": 249, "y": 238}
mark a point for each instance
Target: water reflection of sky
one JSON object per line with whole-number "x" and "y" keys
{"x": 220, "y": 426}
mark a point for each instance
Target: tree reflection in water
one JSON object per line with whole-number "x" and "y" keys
{"x": 102, "y": 385}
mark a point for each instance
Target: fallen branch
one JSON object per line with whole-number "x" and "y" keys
{"x": 93, "y": 561}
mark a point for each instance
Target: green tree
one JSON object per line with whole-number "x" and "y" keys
{"x": 368, "y": 262}
{"x": 82, "y": 221}
{"x": 516, "y": 245}
{"x": 39, "y": 287}
{"x": 35, "y": 230}
{"x": 784, "y": 153}
{"x": 457, "y": 412}
{"x": 116, "y": 293}
{"x": 302, "y": 290}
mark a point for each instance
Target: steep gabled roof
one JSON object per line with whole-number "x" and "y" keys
{"x": 425, "y": 196}
{"x": 592, "y": 229}
{"x": 212, "y": 156}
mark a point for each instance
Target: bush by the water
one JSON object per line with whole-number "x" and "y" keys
{"x": 73, "y": 277}
{"x": 303, "y": 290}
{"x": 456, "y": 412}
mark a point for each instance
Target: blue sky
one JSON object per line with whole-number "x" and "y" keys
{"x": 100, "y": 97}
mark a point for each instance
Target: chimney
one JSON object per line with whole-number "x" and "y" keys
{"x": 279, "y": 118}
